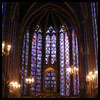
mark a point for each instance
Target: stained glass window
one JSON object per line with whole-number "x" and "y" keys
{"x": 26, "y": 59}
{"x": 50, "y": 46}
{"x": 23, "y": 61}
{"x": 74, "y": 60}
{"x": 95, "y": 31}
{"x": 3, "y": 15}
{"x": 50, "y": 81}
{"x": 75, "y": 63}
{"x": 64, "y": 62}
{"x": 53, "y": 48}
{"x": 25, "y": 56}
{"x": 3, "y": 12}
{"x": 50, "y": 50}
{"x": 36, "y": 60}
{"x": 47, "y": 48}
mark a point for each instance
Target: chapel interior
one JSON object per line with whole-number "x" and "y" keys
{"x": 49, "y": 49}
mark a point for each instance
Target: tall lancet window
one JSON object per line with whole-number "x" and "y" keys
{"x": 64, "y": 62}
{"x": 3, "y": 12}
{"x": 25, "y": 56}
{"x": 3, "y": 15}
{"x": 50, "y": 80}
{"x": 36, "y": 60}
{"x": 23, "y": 61}
{"x": 75, "y": 63}
{"x": 50, "y": 46}
{"x": 95, "y": 31}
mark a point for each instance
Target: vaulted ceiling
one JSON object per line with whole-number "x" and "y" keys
{"x": 51, "y": 13}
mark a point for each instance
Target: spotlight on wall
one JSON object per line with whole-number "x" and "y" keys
{"x": 5, "y": 48}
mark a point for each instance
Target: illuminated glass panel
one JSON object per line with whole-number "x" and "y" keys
{"x": 26, "y": 60}
{"x": 3, "y": 16}
{"x": 75, "y": 63}
{"x": 62, "y": 71}
{"x": 50, "y": 46}
{"x": 67, "y": 64}
{"x": 47, "y": 49}
{"x": 50, "y": 81}
{"x": 3, "y": 13}
{"x": 74, "y": 60}
{"x": 33, "y": 61}
{"x": 22, "y": 72}
{"x": 64, "y": 62}
{"x": 48, "y": 31}
{"x": 95, "y": 31}
{"x": 39, "y": 61}
{"x": 36, "y": 60}
{"x": 53, "y": 48}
